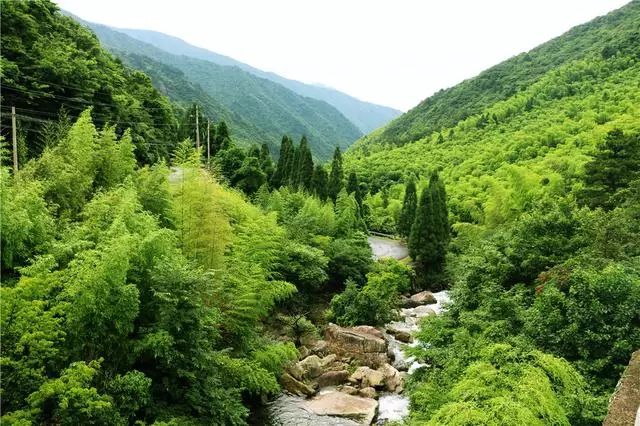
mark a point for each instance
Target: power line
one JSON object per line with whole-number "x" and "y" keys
{"x": 80, "y": 100}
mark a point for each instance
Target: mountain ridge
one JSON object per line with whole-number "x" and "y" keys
{"x": 260, "y": 110}
{"x": 367, "y": 116}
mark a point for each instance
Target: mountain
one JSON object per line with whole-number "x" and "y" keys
{"x": 365, "y": 115}
{"x": 54, "y": 68}
{"x": 450, "y": 106}
{"x": 259, "y": 110}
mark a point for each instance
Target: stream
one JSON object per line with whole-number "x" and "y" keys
{"x": 288, "y": 410}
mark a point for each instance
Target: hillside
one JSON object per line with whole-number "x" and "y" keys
{"x": 52, "y": 66}
{"x": 365, "y": 115}
{"x": 261, "y": 111}
{"x": 602, "y": 36}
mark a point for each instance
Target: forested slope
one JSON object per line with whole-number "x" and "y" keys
{"x": 365, "y": 115}
{"x": 50, "y": 63}
{"x": 261, "y": 110}
{"x": 603, "y": 36}
{"x": 543, "y": 193}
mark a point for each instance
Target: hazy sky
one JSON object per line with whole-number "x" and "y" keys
{"x": 394, "y": 53}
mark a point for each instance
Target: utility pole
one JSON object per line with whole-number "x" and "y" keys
{"x": 208, "y": 144}
{"x": 197, "y": 130}
{"x": 15, "y": 140}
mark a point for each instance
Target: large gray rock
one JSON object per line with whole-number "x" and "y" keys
{"x": 333, "y": 378}
{"x": 393, "y": 380}
{"x": 311, "y": 367}
{"x": 295, "y": 386}
{"x": 366, "y": 344}
{"x": 423, "y": 298}
{"x": 367, "y": 377}
{"x": 624, "y": 406}
{"x": 340, "y": 404}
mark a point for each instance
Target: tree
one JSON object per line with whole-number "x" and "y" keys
{"x": 303, "y": 168}
{"x": 222, "y": 139}
{"x": 319, "y": 182}
{"x": 429, "y": 233}
{"x": 353, "y": 187}
{"x": 614, "y": 166}
{"x": 408, "y": 212}
{"x": 282, "y": 175}
{"x": 336, "y": 176}
{"x": 249, "y": 177}
{"x": 266, "y": 162}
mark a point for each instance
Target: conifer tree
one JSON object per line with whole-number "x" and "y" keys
{"x": 222, "y": 139}
{"x": 337, "y": 175}
{"x": 303, "y": 169}
{"x": 319, "y": 182}
{"x": 353, "y": 187}
{"x": 430, "y": 233}
{"x": 408, "y": 212}
{"x": 266, "y": 162}
{"x": 280, "y": 177}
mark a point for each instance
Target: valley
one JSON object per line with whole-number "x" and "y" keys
{"x": 189, "y": 240}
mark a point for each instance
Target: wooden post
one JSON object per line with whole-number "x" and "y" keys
{"x": 15, "y": 140}
{"x": 197, "y": 130}
{"x": 208, "y": 144}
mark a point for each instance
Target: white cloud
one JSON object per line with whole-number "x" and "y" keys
{"x": 393, "y": 53}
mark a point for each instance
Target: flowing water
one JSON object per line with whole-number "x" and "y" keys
{"x": 288, "y": 410}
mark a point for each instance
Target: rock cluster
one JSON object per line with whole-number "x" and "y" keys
{"x": 344, "y": 374}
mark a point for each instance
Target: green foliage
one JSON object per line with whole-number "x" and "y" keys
{"x": 336, "y": 176}
{"x": 506, "y": 386}
{"x": 615, "y": 33}
{"x": 615, "y": 165}
{"x": 408, "y": 212}
{"x": 430, "y": 233}
{"x": 589, "y": 316}
{"x": 169, "y": 322}
{"x": 26, "y": 223}
{"x": 374, "y": 303}
{"x": 52, "y": 64}
{"x": 258, "y": 110}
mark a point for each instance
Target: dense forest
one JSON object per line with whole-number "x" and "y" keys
{"x": 161, "y": 266}
{"x": 260, "y": 110}
{"x": 366, "y": 116}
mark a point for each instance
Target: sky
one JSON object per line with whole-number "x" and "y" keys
{"x": 393, "y": 53}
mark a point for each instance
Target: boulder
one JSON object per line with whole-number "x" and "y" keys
{"x": 393, "y": 379}
{"x": 311, "y": 367}
{"x": 400, "y": 335}
{"x": 304, "y": 352}
{"x": 328, "y": 360}
{"x": 423, "y": 298}
{"x": 368, "y": 392}
{"x": 340, "y": 404}
{"x": 367, "y": 377}
{"x": 350, "y": 390}
{"x": 320, "y": 348}
{"x": 294, "y": 386}
{"x": 624, "y": 405}
{"x": 367, "y": 329}
{"x": 333, "y": 378}
{"x": 295, "y": 369}
{"x": 364, "y": 343}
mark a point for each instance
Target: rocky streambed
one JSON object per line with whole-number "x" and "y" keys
{"x": 355, "y": 375}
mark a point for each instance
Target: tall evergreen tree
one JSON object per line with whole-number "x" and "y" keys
{"x": 266, "y": 162}
{"x": 222, "y": 139}
{"x": 337, "y": 175}
{"x": 430, "y": 234}
{"x": 353, "y": 187}
{"x": 408, "y": 212}
{"x": 303, "y": 170}
{"x": 319, "y": 182}
{"x": 281, "y": 176}
{"x": 614, "y": 166}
